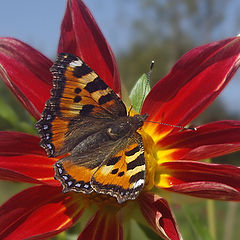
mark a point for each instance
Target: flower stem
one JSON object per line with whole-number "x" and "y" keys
{"x": 211, "y": 218}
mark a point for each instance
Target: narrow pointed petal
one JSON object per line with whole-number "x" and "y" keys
{"x": 208, "y": 141}
{"x": 38, "y": 213}
{"x": 80, "y": 35}
{"x": 26, "y": 72}
{"x": 192, "y": 84}
{"x": 103, "y": 226}
{"x": 158, "y": 214}
{"x": 16, "y": 143}
{"x": 28, "y": 168}
{"x": 214, "y": 181}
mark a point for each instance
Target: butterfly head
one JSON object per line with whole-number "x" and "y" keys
{"x": 138, "y": 120}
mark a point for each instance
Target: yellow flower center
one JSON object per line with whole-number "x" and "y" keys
{"x": 156, "y": 175}
{"x": 150, "y": 158}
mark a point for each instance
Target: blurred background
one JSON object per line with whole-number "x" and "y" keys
{"x": 138, "y": 32}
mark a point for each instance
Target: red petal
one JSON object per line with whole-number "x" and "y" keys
{"x": 37, "y": 213}
{"x": 214, "y": 181}
{"x": 15, "y": 143}
{"x": 103, "y": 226}
{"x": 210, "y": 140}
{"x": 28, "y": 168}
{"x": 22, "y": 159}
{"x": 193, "y": 83}
{"x": 81, "y": 36}
{"x": 158, "y": 214}
{"x": 26, "y": 72}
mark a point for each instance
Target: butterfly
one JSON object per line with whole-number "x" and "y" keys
{"x": 86, "y": 125}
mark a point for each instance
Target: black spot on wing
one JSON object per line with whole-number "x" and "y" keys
{"x": 114, "y": 171}
{"x": 106, "y": 98}
{"x": 95, "y": 85}
{"x": 120, "y": 174}
{"x": 77, "y": 99}
{"x": 77, "y": 90}
{"x": 80, "y": 71}
{"x": 113, "y": 161}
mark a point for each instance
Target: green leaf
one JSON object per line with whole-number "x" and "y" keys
{"x": 139, "y": 92}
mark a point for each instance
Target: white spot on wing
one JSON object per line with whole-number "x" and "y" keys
{"x": 49, "y": 146}
{"x": 69, "y": 183}
{"x": 65, "y": 177}
{"x": 60, "y": 170}
{"x": 138, "y": 183}
{"x": 76, "y": 63}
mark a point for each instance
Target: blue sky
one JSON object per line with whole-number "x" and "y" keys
{"x": 38, "y": 23}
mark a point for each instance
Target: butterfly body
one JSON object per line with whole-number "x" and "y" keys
{"x": 85, "y": 121}
{"x": 121, "y": 128}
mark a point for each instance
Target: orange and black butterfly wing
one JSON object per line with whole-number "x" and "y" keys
{"x": 79, "y": 105}
{"x": 75, "y": 176}
{"x": 117, "y": 170}
{"x": 123, "y": 174}
{"x": 76, "y": 170}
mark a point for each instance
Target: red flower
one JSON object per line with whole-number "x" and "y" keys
{"x": 194, "y": 82}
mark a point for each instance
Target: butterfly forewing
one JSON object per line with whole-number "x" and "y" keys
{"x": 82, "y": 91}
{"x": 77, "y": 94}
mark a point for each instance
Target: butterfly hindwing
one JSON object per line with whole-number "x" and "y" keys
{"x": 122, "y": 175}
{"x": 77, "y": 169}
{"x": 78, "y": 94}
{"x": 73, "y": 177}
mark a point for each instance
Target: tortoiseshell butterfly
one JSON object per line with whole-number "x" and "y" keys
{"x": 87, "y": 123}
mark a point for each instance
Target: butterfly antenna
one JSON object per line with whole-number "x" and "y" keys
{"x": 148, "y": 79}
{"x": 174, "y": 126}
